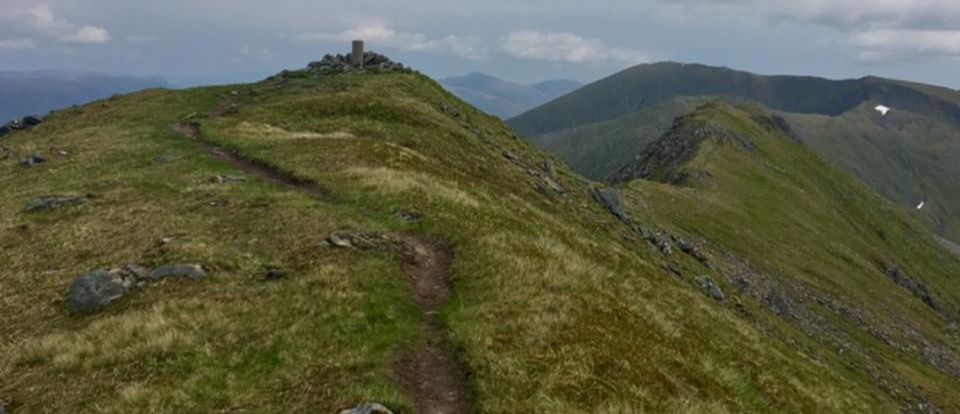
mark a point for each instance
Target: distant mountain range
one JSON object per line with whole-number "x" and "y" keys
{"x": 503, "y": 98}
{"x": 39, "y": 92}
{"x": 907, "y": 154}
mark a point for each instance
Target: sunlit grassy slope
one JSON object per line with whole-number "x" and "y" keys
{"x": 558, "y": 306}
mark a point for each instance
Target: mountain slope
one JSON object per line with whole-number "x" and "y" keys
{"x": 505, "y": 99}
{"x": 36, "y": 93}
{"x": 906, "y": 155}
{"x": 368, "y": 237}
{"x": 826, "y": 254}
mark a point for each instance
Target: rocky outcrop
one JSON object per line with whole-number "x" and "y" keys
{"x": 610, "y": 199}
{"x": 775, "y": 124}
{"x": 664, "y": 159}
{"x": 914, "y": 286}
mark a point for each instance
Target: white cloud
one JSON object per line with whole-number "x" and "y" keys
{"x": 88, "y": 35}
{"x": 881, "y": 30}
{"x": 381, "y": 35}
{"x": 17, "y": 44}
{"x": 566, "y": 47}
{"x": 40, "y": 21}
{"x": 878, "y": 46}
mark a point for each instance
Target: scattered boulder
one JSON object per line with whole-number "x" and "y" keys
{"x": 53, "y": 203}
{"x": 94, "y": 291}
{"x": 713, "y": 290}
{"x": 3, "y": 410}
{"x": 610, "y": 199}
{"x": 18, "y": 124}
{"x": 369, "y": 408}
{"x": 33, "y": 160}
{"x": 511, "y": 156}
{"x": 193, "y": 272}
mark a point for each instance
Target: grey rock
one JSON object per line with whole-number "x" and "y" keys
{"x": 369, "y": 408}
{"x": 610, "y": 199}
{"x": 511, "y": 156}
{"x": 692, "y": 250}
{"x": 94, "y": 291}
{"x": 3, "y": 410}
{"x": 53, "y": 203}
{"x": 178, "y": 271}
{"x": 713, "y": 290}
{"x": 33, "y": 160}
{"x": 337, "y": 240}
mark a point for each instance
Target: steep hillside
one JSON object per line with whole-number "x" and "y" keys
{"x": 824, "y": 253}
{"x": 36, "y": 93}
{"x": 905, "y": 155}
{"x": 502, "y": 98}
{"x": 312, "y": 242}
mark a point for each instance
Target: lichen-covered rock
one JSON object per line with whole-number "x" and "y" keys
{"x": 189, "y": 271}
{"x": 94, "y": 291}
{"x": 53, "y": 203}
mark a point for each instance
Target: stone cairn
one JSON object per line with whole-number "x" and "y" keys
{"x": 353, "y": 61}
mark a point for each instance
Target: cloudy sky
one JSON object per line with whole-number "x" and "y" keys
{"x": 197, "y": 41}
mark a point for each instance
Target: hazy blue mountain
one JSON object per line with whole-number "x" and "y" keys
{"x": 503, "y": 98}
{"x": 39, "y": 92}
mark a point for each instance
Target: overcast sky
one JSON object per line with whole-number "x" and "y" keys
{"x": 199, "y": 41}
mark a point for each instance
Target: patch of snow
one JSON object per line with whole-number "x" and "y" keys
{"x": 920, "y": 206}
{"x": 883, "y": 110}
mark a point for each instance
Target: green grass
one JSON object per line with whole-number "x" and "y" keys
{"x": 553, "y": 309}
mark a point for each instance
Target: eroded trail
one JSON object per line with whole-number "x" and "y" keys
{"x": 430, "y": 372}
{"x": 262, "y": 171}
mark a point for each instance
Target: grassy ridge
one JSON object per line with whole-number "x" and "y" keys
{"x": 557, "y": 306}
